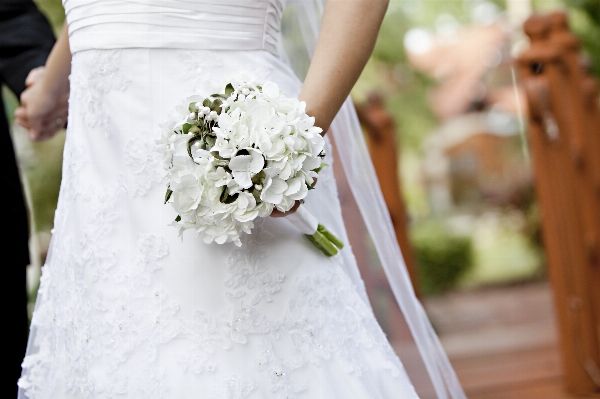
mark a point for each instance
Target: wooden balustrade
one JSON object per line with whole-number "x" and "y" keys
{"x": 564, "y": 129}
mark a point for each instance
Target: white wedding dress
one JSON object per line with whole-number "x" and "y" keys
{"x": 126, "y": 308}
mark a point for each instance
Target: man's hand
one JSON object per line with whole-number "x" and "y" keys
{"x": 42, "y": 112}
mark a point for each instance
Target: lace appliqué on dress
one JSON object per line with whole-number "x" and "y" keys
{"x": 144, "y": 162}
{"x": 235, "y": 387}
{"x": 103, "y": 76}
{"x": 97, "y": 254}
{"x": 209, "y": 333}
{"x": 328, "y": 319}
{"x": 75, "y": 326}
{"x": 279, "y": 371}
{"x": 249, "y": 272}
{"x": 193, "y": 63}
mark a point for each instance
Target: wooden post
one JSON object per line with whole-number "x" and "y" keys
{"x": 591, "y": 114}
{"x": 561, "y": 149}
{"x": 381, "y": 137}
{"x": 580, "y": 137}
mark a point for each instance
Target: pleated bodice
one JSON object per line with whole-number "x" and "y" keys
{"x": 184, "y": 24}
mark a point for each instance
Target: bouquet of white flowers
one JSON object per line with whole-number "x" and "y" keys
{"x": 235, "y": 156}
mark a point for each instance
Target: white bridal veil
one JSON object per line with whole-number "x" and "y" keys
{"x": 300, "y": 31}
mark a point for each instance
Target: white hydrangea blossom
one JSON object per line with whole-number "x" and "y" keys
{"x": 233, "y": 157}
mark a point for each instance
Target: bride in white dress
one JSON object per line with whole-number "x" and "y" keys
{"x": 126, "y": 309}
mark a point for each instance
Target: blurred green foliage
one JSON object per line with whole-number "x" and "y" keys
{"x": 443, "y": 258}
{"x": 43, "y": 178}
{"x": 405, "y": 90}
{"x": 54, "y": 12}
{"x": 584, "y": 18}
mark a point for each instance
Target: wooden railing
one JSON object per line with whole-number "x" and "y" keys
{"x": 564, "y": 137}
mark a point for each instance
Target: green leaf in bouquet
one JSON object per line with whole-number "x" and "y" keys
{"x": 191, "y": 142}
{"x": 209, "y": 142}
{"x": 192, "y": 107}
{"x": 320, "y": 168}
{"x": 186, "y": 128}
{"x": 216, "y": 105}
{"x": 226, "y": 198}
{"x": 219, "y": 95}
{"x": 259, "y": 177}
{"x": 168, "y": 194}
{"x": 256, "y": 194}
{"x": 219, "y": 161}
{"x": 218, "y": 157}
{"x": 229, "y": 89}
{"x": 206, "y": 102}
{"x": 178, "y": 218}
{"x": 204, "y": 129}
{"x": 208, "y": 128}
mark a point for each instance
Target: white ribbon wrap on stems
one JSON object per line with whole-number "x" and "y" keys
{"x": 303, "y": 220}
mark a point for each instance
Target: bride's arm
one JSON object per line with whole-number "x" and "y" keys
{"x": 349, "y": 30}
{"x": 44, "y": 104}
{"x": 348, "y": 33}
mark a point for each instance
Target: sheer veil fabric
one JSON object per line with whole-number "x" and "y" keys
{"x": 127, "y": 309}
{"x": 360, "y": 174}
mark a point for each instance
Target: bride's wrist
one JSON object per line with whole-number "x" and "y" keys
{"x": 319, "y": 119}
{"x": 54, "y": 88}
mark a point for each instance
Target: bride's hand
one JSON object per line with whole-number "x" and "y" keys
{"x": 42, "y": 111}
{"x": 44, "y": 106}
{"x": 279, "y": 214}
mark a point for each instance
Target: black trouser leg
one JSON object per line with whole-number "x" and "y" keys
{"x": 26, "y": 39}
{"x": 15, "y": 257}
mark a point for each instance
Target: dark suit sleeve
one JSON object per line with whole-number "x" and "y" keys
{"x": 26, "y": 39}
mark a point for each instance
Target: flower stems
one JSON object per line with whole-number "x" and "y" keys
{"x": 330, "y": 236}
{"x": 324, "y": 240}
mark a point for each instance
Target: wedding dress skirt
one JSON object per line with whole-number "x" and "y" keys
{"x": 127, "y": 309}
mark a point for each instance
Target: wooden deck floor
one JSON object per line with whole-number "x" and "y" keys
{"x": 502, "y": 341}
